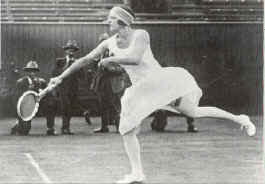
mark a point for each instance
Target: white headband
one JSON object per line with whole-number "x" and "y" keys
{"x": 122, "y": 14}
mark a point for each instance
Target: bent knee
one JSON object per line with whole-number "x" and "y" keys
{"x": 190, "y": 113}
{"x": 128, "y": 126}
{"x": 188, "y": 109}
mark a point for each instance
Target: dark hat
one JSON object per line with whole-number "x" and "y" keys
{"x": 71, "y": 44}
{"x": 31, "y": 66}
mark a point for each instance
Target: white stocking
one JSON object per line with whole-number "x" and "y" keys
{"x": 132, "y": 148}
{"x": 215, "y": 112}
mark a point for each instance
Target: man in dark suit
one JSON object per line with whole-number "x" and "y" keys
{"x": 47, "y": 105}
{"x": 68, "y": 89}
{"x": 109, "y": 83}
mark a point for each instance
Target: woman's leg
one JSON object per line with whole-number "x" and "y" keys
{"x": 132, "y": 148}
{"x": 191, "y": 109}
{"x": 189, "y": 106}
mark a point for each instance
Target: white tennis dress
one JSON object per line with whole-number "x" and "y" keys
{"x": 153, "y": 86}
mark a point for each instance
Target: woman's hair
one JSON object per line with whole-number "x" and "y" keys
{"x": 127, "y": 9}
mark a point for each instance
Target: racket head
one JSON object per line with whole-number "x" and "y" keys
{"x": 28, "y": 105}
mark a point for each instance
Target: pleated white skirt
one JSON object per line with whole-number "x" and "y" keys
{"x": 154, "y": 92}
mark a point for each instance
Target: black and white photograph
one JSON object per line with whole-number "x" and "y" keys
{"x": 132, "y": 92}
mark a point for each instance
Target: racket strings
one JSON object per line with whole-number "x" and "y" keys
{"x": 27, "y": 106}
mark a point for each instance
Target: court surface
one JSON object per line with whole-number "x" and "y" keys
{"x": 219, "y": 153}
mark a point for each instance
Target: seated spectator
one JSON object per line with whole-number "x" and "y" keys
{"x": 47, "y": 105}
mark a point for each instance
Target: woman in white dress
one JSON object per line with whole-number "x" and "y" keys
{"x": 153, "y": 87}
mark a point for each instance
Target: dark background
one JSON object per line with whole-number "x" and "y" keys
{"x": 225, "y": 58}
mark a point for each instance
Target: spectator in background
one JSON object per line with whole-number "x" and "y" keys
{"x": 109, "y": 83}
{"x": 159, "y": 122}
{"x": 68, "y": 90}
{"x": 47, "y": 105}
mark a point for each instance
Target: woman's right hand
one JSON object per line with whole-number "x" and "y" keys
{"x": 52, "y": 84}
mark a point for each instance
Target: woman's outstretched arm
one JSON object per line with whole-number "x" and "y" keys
{"x": 81, "y": 62}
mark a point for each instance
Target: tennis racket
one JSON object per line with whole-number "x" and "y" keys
{"x": 28, "y": 103}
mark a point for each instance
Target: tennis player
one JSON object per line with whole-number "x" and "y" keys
{"x": 153, "y": 87}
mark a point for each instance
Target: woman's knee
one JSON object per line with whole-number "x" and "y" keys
{"x": 122, "y": 125}
{"x": 189, "y": 104}
{"x": 188, "y": 108}
{"x": 129, "y": 135}
{"x": 190, "y": 113}
{"x": 126, "y": 128}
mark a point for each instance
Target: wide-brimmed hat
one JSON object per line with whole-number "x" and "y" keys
{"x": 71, "y": 44}
{"x": 32, "y": 66}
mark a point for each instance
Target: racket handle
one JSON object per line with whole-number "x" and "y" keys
{"x": 46, "y": 90}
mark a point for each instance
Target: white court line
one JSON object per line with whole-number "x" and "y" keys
{"x": 44, "y": 177}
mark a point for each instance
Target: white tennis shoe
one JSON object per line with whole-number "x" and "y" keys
{"x": 247, "y": 125}
{"x": 131, "y": 179}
